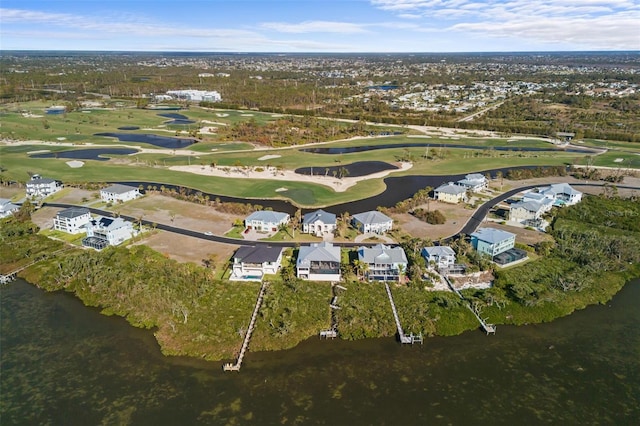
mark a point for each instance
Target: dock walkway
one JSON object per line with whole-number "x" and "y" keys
{"x": 247, "y": 337}
{"x": 404, "y": 338}
{"x": 488, "y": 328}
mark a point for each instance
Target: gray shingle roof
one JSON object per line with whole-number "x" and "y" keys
{"x": 322, "y": 252}
{"x": 72, "y": 212}
{"x": 451, "y": 188}
{"x": 119, "y": 189}
{"x": 266, "y": 216}
{"x": 371, "y": 217}
{"x": 319, "y": 215}
{"x": 258, "y": 254}
{"x": 438, "y": 251}
{"x": 532, "y": 206}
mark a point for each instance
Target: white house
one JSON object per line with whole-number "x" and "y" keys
{"x": 474, "y": 181}
{"x": 319, "y": 262}
{"x": 372, "y": 222}
{"x": 562, "y": 193}
{"x": 252, "y": 263}
{"x": 545, "y": 201}
{"x": 450, "y": 193}
{"x": 442, "y": 257}
{"x": 72, "y": 220}
{"x": 196, "y": 95}
{"x": 266, "y": 220}
{"x": 119, "y": 193}
{"x": 384, "y": 263}
{"x": 319, "y": 223}
{"x": 113, "y": 230}
{"x": 42, "y": 187}
{"x": 492, "y": 241}
{"x": 526, "y": 210}
{"x": 7, "y": 208}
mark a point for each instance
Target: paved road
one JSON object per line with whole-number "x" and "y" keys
{"x": 472, "y": 224}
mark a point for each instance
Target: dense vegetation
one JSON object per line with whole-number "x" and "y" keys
{"x": 596, "y": 249}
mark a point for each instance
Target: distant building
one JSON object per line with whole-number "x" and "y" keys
{"x": 119, "y": 193}
{"x": 7, "y": 208}
{"x": 42, "y": 187}
{"x": 56, "y": 109}
{"x": 266, "y": 220}
{"x": 450, "y": 193}
{"x": 252, "y": 263}
{"x": 492, "y": 241}
{"x": 195, "y": 95}
{"x": 372, "y": 222}
{"x": 442, "y": 257}
{"x": 319, "y": 223}
{"x": 384, "y": 263}
{"x": 72, "y": 220}
{"x": 474, "y": 181}
{"x": 112, "y": 230}
{"x": 319, "y": 262}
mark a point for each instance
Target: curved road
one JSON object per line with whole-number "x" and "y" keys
{"x": 472, "y": 224}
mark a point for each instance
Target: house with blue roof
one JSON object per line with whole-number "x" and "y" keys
{"x": 266, "y": 220}
{"x": 319, "y": 223}
{"x": 492, "y": 241}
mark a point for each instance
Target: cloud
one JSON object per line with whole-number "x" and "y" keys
{"x": 315, "y": 27}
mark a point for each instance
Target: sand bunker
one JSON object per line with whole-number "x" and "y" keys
{"x": 29, "y": 115}
{"x": 269, "y": 157}
{"x": 221, "y": 114}
{"x": 40, "y": 151}
{"x": 247, "y": 115}
{"x": 281, "y": 189}
{"x": 75, "y": 164}
{"x": 61, "y": 139}
{"x": 618, "y": 160}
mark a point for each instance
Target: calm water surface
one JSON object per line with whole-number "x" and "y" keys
{"x": 65, "y": 364}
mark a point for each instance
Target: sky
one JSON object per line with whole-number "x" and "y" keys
{"x": 320, "y": 25}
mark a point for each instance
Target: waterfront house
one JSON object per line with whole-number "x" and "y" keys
{"x": 562, "y": 193}
{"x": 492, "y": 241}
{"x": 441, "y": 257}
{"x": 372, "y": 222}
{"x": 474, "y": 182}
{"x": 7, "y": 208}
{"x": 42, "y": 187}
{"x": 119, "y": 193}
{"x": 450, "y": 193}
{"x": 319, "y": 262}
{"x": 266, "y": 220}
{"x": 252, "y": 263}
{"x": 109, "y": 230}
{"x": 72, "y": 220}
{"x": 383, "y": 263}
{"x": 319, "y": 223}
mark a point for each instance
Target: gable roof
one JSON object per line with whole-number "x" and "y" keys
{"x": 563, "y": 188}
{"x": 531, "y": 206}
{"x": 119, "y": 189}
{"x": 258, "y": 254}
{"x": 109, "y": 223}
{"x": 267, "y": 216}
{"x": 492, "y": 235}
{"x": 322, "y": 252}
{"x": 451, "y": 188}
{"x": 40, "y": 180}
{"x": 372, "y": 217}
{"x": 381, "y": 253}
{"x": 438, "y": 251}
{"x": 319, "y": 215}
{"x": 72, "y": 212}
{"x": 6, "y": 205}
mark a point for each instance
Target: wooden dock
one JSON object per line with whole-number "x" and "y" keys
{"x": 247, "y": 337}
{"x": 488, "y": 328}
{"x": 404, "y": 338}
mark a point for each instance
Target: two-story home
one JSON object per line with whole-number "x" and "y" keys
{"x": 372, "y": 222}
{"x": 72, "y": 220}
{"x": 319, "y": 262}
{"x": 319, "y": 223}
{"x": 562, "y": 193}
{"x": 119, "y": 193}
{"x": 112, "y": 230}
{"x": 474, "y": 182}
{"x": 7, "y": 208}
{"x": 545, "y": 202}
{"x": 524, "y": 211}
{"x": 440, "y": 257}
{"x": 42, "y": 187}
{"x": 383, "y": 263}
{"x": 450, "y": 193}
{"x": 492, "y": 241}
{"x": 252, "y": 263}
{"x": 266, "y": 220}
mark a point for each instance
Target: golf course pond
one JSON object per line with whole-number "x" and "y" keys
{"x": 155, "y": 140}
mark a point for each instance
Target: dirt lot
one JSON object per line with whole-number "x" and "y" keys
{"x": 456, "y": 214}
